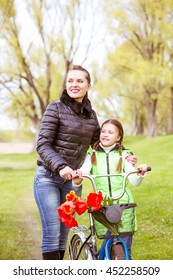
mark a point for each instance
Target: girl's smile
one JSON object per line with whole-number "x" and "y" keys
{"x": 109, "y": 135}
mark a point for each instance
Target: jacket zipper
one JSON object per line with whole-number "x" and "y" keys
{"x": 108, "y": 172}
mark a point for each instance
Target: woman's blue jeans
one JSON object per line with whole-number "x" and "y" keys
{"x": 50, "y": 191}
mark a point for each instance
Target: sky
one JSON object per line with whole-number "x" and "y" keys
{"x": 7, "y": 123}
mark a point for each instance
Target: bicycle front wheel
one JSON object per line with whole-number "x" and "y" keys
{"x": 78, "y": 250}
{"x": 117, "y": 252}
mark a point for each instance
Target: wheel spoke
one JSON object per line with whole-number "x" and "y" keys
{"x": 75, "y": 250}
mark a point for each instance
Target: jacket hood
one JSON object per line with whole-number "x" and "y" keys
{"x": 78, "y": 107}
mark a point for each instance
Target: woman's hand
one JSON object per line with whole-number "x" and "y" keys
{"x": 67, "y": 173}
{"x": 132, "y": 159}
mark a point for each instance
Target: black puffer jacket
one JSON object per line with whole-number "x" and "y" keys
{"x": 67, "y": 130}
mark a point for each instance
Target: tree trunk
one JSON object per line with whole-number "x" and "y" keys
{"x": 138, "y": 121}
{"x": 140, "y": 129}
{"x": 151, "y": 116}
{"x": 171, "y": 126}
{"x": 135, "y": 121}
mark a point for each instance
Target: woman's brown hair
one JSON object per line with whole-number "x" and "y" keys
{"x": 119, "y": 143}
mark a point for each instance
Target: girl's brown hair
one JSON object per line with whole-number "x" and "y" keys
{"x": 119, "y": 143}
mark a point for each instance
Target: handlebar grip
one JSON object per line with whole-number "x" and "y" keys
{"x": 148, "y": 169}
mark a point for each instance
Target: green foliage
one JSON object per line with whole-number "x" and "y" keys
{"x": 138, "y": 68}
{"x": 107, "y": 201}
{"x": 6, "y": 7}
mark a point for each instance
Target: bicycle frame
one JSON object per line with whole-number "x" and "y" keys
{"x": 104, "y": 250}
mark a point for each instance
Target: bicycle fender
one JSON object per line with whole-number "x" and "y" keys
{"x": 81, "y": 235}
{"x": 108, "y": 244}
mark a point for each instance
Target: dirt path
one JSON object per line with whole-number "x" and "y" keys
{"x": 32, "y": 226}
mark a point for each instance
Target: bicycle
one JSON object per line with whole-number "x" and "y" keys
{"x": 83, "y": 245}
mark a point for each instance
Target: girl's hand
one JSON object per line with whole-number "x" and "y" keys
{"x": 142, "y": 168}
{"x": 77, "y": 177}
{"x": 132, "y": 159}
{"x": 77, "y": 181}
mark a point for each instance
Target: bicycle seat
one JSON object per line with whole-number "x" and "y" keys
{"x": 113, "y": 212}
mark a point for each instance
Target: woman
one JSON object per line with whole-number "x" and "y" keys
{"x": 69, "y": 126}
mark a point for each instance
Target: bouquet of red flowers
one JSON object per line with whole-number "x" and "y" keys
{"x": 75, "y": 204}
{"x": 94, "y": 203}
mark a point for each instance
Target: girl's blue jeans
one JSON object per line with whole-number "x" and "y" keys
{"x": 50, "y": 191}
{"x": 128, "y": 240}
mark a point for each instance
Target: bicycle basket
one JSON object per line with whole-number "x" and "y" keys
{"x": 109, "y": 218}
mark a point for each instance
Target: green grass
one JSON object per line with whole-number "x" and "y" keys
{"x": 154, "y": 197}
{"x": 17, "y": 172}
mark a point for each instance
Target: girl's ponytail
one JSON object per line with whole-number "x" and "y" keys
{"x": 93, "y": 157}
{"x": 119, "y": 165}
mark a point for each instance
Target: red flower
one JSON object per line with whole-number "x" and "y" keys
{"x": 76, "y": 204}
{"x": 72, "y": 196}
{"x": 69, "y": 221}
{"x": 94, "y": 201}
{"x": 81, "y": 206}
{"x": 67, "y": 207}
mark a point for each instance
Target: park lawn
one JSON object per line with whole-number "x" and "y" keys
{"x": 16, "y": 180}
{"x": 154, "y": 197}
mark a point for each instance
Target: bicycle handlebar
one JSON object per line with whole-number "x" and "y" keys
{"x": 124, "y": 175}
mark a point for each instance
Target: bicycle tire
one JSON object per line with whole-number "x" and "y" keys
{"x": 117, "y": 252}
{"x": 75, "y": 247}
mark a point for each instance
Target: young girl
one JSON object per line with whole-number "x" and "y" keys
{"x": 109, "y": 157}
